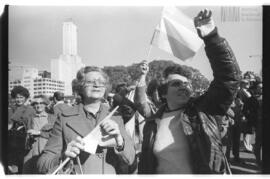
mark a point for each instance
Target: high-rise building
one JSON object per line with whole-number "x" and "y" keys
{"x": 69, "y": 38}
{"x": 66, "y": 66}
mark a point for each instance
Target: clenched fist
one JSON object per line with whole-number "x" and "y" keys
{"x": 204, "y": 23}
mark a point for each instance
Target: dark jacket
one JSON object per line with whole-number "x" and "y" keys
{"x": 251, "y": 110}
{"x": 205, "y": 122}
{"x": 73, "y": 123}
{"x": 20, "y": 118}
{"x": 21, "y": 115}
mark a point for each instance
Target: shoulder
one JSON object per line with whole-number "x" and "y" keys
{"x": 72, "y": 110}
{"x": 28, "y": 110}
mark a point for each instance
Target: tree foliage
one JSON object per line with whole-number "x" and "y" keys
{"x": 122, "y": 74}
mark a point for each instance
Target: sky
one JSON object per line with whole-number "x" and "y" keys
{"x": 118, "y": 35}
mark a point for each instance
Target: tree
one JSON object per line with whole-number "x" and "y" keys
{"x": 122, "y": 74}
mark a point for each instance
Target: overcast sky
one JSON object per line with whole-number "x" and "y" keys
{"x": 109, "y": 36}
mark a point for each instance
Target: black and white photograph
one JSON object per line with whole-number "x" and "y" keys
{"x": 134, "y": 90}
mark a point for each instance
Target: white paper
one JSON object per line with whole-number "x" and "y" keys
{"x": 91, "y": 143}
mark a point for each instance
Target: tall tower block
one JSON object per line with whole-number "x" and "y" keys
{"x": 69, "y": 38}
{"x": 69, "y": 62}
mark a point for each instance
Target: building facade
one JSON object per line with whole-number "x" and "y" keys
{"x": 47, "y": 86}
{"x": 32, "y": 79}
{"x": 67, "y": 65}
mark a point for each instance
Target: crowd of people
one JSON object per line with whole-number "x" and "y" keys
{"x": 159, "y": 128}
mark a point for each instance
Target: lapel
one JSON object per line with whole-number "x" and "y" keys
{"x": 103, "y": 112}
{"x": 77, "y": 121}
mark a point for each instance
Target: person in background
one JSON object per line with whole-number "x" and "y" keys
{"x": 244, "y": 94}
{"x": 19, "y": 116}
{"x": 68, "y": 102}
{"x": 153, "y": 92}
{"x": 253, "y": 112}
{"x": 76, "y": 122}
{"x": 236, "y": 128}
{"x": 38, "y": 133}
{"x": 59, "y": 104}
{"x": 184, "y": 135}
{"x": 227, "y": 139}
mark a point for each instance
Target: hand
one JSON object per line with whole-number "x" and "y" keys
{"x": 144, "y": 68}
{"x": 231, "y": 121}
{"x": 33, "y": 132}
{"x": 111, "y": 128}
{"x": 74, "y": 147}
{"x": 204, "y": 23}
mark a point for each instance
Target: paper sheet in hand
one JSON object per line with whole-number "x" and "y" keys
{"x": 95, "y": 138}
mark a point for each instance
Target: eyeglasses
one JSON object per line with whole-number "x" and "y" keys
{"x": 99, "y": 82}
{"x": 178, "y": 83}
{"x": 36, "y": 103}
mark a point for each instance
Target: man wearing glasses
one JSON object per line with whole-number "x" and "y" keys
{"x": 184, "y": 135}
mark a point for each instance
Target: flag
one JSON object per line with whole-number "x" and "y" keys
{"x": 176, "y": 34}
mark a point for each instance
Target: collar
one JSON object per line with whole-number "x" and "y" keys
{"x": 92, "y": 114}
{"x": 59, "y": 102}
{"x": 43, "y": 114}
{"x": 177, "y": 109}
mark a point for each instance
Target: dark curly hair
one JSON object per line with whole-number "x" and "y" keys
{"x": 20, "y": 90}
{"x": 174, "y": 69}
{"x": 59, "y": 96}
{"x": 177, "y": 69}
{"x": 152, "y": 86}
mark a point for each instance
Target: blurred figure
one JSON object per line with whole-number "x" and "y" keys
{"x": 20, "y": 117}
{"x": 153, "y": 93}
{"x": 59, "y": 104}
{"x": 38, "y": 133}
{"x": 110, "y": 99}
{"x": 236, "y": 129}
{"x": 68, "y": 102}
{"x": 244, "y": 94}
{"x": 253, "y": 112}
{"x": 227, "y": 139}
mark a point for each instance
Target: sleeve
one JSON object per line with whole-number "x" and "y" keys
{"x": 46, "y": 129}
{"x": 226, "y": 72}
{"x": 29, "y": 118}
{"x": 52, "y": 152}
{"x": 128, "y": 153}
{"x": 140, "y": 100}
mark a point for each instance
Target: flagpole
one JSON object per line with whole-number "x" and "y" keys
{"x": 148, "y": 54}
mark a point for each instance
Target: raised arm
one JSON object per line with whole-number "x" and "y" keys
{"x": 226, "y": 72}
{"x": 140, "y": 97}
